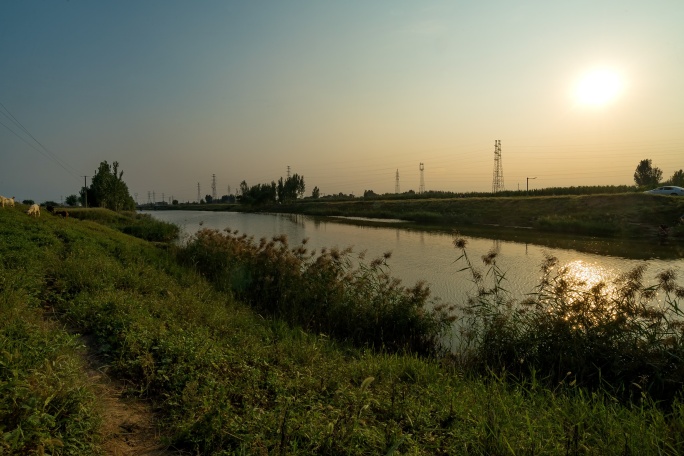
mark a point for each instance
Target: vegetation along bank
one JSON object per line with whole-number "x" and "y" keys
{"x": 241, "y": 346}
{"x": 629, "y": 215}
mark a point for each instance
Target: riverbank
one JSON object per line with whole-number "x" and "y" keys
{"x": 627, "y": 215}
{"x": 222, "y": 378}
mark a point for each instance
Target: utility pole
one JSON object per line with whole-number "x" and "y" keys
{"x": 85, "y": 191}
{"x": 198, "y": 193}
{"x": 528, "y": 185}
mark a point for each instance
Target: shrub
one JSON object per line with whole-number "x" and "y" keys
{"x": 330, "y": 292}
{"x": 604, "y": 335}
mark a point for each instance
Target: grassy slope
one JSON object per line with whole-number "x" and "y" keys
{"x": 621, "y": 214}
{"x": 226, "y": 379}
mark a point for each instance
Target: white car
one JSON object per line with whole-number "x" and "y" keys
{"x": 669, "y": 190}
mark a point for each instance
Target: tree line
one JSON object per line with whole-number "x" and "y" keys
{"x": 108, "y": 189}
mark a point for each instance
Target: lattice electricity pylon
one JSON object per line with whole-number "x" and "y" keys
{"x": 498, "y": 179}
{"x": 421, "y": 189}
{"x": 396, "y": 183}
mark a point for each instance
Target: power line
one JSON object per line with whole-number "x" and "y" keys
{"x": 43, "y": 150}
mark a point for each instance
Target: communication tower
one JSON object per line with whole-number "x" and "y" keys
{"x": 422, "y": 179}
{"x": 213, "y": 187}
{"x": 498, "y": 179}
{"x": 396, "y": 183}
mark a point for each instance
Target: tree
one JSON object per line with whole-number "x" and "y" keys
{"x": 72, "y": 200}
{"x": 208, "y": 199}
{"x": 677, "y": 178}
{"x": 107, "y": 189}
{"x": 316, "y": 193}
{"x": 292, "y": 188}
{"x": 646, "y": 175}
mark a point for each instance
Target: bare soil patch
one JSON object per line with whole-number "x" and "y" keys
{"x": 129, "y": 424}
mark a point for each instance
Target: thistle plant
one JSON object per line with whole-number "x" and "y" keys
{"x": 626, "y": 336}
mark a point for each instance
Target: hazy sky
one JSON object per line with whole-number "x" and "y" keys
{"x": 345, "y": 93}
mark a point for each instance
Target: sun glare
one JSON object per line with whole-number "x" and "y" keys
{"x": 599, "y": 87}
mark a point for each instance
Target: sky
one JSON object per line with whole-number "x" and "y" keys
{"x": 345, "y": 93}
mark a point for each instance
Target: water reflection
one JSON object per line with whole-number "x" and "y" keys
{"x": 587, "y": 274}
{"x": 428, "y": 255}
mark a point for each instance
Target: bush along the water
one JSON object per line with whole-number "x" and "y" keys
{"x": 625, "y": 337}
{"x": 330, "y": 292}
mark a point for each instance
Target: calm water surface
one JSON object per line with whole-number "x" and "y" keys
{"x": 426, "y": 255}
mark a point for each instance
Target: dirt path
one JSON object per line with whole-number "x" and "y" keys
{"x": 129, "y": 423}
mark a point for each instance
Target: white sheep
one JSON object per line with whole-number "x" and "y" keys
{"x": 8, "y": 201}
{"x": 34, "y": 210}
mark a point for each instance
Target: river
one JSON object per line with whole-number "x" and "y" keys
{"x": 431, "y": 256}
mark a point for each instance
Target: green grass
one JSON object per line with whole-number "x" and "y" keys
{"x": 227, "y": 380}
{"x": 142, "y": 226}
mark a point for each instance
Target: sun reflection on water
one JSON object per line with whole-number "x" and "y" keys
{"x": 587, "y": 275}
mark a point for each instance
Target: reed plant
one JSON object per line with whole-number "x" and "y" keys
{"x": 330, "y": 292}
{"x": 625, "y": 337}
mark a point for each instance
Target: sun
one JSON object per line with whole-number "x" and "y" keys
{"x": 599, "y": 87}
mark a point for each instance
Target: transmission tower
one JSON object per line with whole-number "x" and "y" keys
{"x": 288, "y": 171}
{"x": 421, "y": 189}
{"x": 213, "y": 187}
{"x": 396, "y": 183}
{"x": 498, "y": 180}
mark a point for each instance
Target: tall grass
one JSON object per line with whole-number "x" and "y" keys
{"x": 615, "y": 336}
{"x": 329, "y": 292}
{"x": 47, "y": 405}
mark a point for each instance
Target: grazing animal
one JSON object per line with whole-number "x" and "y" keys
{"x": 61, "y": 213}
{"x": 50, "y": 209}
{"x": 34, "y": 210}
{"x": 8, "y": 201}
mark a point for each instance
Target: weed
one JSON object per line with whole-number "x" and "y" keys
{"x": 614, "y": 336}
